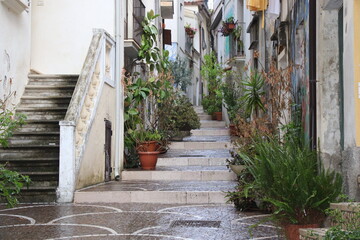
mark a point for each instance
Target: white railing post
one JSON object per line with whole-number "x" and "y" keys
{"x": 65, "y": 191}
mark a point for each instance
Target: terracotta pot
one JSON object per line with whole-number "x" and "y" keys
{"x": 148, "y": 160}
{"x": 230, "y": 26}
{"x": 292, "y": 230}
{"x": 213, "y": 116}
{"x": 233, "y": 131}
{"x": 149, "y": 146}
{"x": 218, "y": 116}
{"x": 237, "y": 168}
{"x": 191, "y": 35}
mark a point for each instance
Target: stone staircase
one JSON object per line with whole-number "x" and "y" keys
{"x": 348, "y": 211}
{"x": 34, "y": 148}
{"x": 191, "y": 172}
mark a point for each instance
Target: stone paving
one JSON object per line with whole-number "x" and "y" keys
{"x": 184, "y": 198}
{"x": 133, "y": 221}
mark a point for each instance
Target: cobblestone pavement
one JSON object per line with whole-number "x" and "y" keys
{"x": 133, "y": 221}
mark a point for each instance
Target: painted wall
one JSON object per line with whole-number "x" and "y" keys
{"x": 328, "y": 87}
{"x": 92, "y": 169}
{"x": 14, "y": 51}
{"x": 351, "y": 155}
{"x": 62, "y": 31}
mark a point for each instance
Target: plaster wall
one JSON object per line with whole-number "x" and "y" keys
{"x": 15, "y": 40}
{"x": 62, "y": 31}
{"x": 351, "y": 155}
{"x": 92, "y": 169}
{"x": 328, "y": 87}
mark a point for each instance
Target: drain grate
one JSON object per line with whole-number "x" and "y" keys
{"x": 192, "y": 155}
{"x": 195, "y": 223}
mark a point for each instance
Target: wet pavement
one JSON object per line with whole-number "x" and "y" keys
{"x": 133, "y": 221}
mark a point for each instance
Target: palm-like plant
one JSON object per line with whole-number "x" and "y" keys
{"x": 253, "y": 92}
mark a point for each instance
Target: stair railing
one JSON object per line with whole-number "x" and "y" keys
{"x": 74, "y": 129}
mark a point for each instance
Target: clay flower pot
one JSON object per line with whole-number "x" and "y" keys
{"x": 148, "y": 160}
{"x": 149, "y": 146}
{"x": 237, "y": 168}
{"x": 230, "y": 26}
{"x": 292, "y": 230}
{"x": 218, "y": 116}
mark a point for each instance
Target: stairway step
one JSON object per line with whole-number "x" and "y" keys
{"x": 52, "y": 79}
{"x": 32, "y": 140}
{"x": 205, "y": 117}
{"x": 212, "y": 124}
{"x": 184, "y": 174}
{"x": 210, "y": 132}
{"x": 27, "y": 165}
{"x": 200, "y": 145}
{"x": 48, "y": 90}
{"x": 167, "y": 192}
{"x": 39, "y": 128}
{"x": 312, "y": 233}
{"x": 191, "y": 161}
{"x": 29, "y": 152}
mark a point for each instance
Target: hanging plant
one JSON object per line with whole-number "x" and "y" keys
{"x": 190, "y": 31}
{"x": 228, "y": 26}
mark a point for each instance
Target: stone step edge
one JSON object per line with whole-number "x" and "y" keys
{"x": 200, "y": 145}
{"x": 202, "y": 175}
{"x": 312, "y": 233}
{"x": 164, "y": 197}
{"x": 192, "y": 161}
{"x": 44, "y": 76}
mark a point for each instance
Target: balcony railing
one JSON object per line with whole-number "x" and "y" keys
{"x": 237, "y": 41}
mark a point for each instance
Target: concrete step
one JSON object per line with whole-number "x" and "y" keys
{"x": 166, "y": 192}
{"x": 199, "y": 145}
{"x": 35, "y": 79}
{"x": 312, "y": 233}
{"x": 45, "y": 101}
{"x": 212, "y": 124}
{"x": 191, "y": 161}
{"x": 205, "y": 117}
{"x": 188, "y": 173}
{"x": 35, "y": 164}
{"x": 34, "y": 139}
{"x": 45, "y": 194}
{"x": 349, "y": 211}
{"x": 24, "y": 152}
{"x": 39, "y": 126}
{"x": 210, "y": 132}
{"x": 49, "y": 90}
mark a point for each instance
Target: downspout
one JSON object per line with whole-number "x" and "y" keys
{"x": 119, "y": 59}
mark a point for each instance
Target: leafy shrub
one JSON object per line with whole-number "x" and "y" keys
{"x": 9, "y": 122}
{"x": 178, "y": 114}
{"x": 289, "y": 176}
{"x": 10, "y": 185}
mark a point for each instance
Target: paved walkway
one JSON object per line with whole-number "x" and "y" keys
{"x": 132, "y": 221}
{"x": 184, "y": 198}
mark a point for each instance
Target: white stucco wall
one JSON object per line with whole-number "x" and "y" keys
{"x": 62, "y": 31}
{"x": 14, "y": 51}
{"x": 92, "y": 169}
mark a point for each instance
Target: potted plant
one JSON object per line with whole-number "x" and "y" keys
{"x": 178, "y": 117}
{"x": 190, "y": 31}
{"x": 147, "y": 147}
{"x": 230, "y": 23}
{"x": 231, "y": 103}
{"x": 236, "y": 163}
{"x": 288, "y": 175}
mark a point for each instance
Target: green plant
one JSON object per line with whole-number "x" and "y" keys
{"x": 253, "y": 93}
{"x": 230, "y": 20}
{"x": 10, "y": 185}
{"x": 231, "y": 100}
{"x": 9, "y": 122}
{"x": 346, "y": 225}
{"x": 177, "y": 114}
{"x": 289, "y": 176}
{"x": 181, "y": 72}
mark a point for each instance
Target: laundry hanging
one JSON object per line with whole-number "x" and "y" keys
{"x": 258, "y": 5}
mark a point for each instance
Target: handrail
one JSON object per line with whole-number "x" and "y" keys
{"x": 98, "y": 68}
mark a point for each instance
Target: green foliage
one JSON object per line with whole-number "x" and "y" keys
{"x": 10, "y": 185}
{"x": 212, "y": 73}
{"x": 345, "y": 227}
{"x": 231, "y": 99}
{"x": 177, "y": 114}
{"x": 9, "y": 122}
{"x": 230, "y": 20}
{"x": 253, "y": 93}
{"x": 289, "y": 176}
{"x": 181, "y": 72}
{"x": 148, "y": 52}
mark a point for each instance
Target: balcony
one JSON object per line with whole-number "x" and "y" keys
{"x": 167, "y": 9}
{"x": 133, "y": 30}
{"x": 237, "y": 44}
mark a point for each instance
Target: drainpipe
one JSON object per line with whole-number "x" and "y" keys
{"x": 119, "y": 59}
